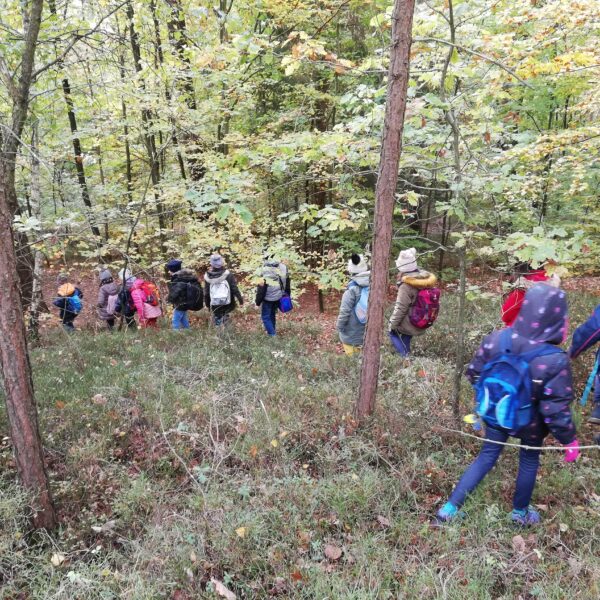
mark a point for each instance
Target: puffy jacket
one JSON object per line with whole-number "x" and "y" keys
{"x": 408, "y": 289}
{"x": 350, "y": 329}
{"x": 586, "y": 335}
{"x": 183, "y": 288}
{"x": 105, "y": 291}
{"x": 543, "y": 319}
{"x": 138, "y": 297}
{"x": 213, "y": 276}
{"x": 512, "y": 304}
{"x": 276, "y": 283}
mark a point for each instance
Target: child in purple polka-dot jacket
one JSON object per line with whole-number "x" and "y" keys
{"x": 543, "y": 319}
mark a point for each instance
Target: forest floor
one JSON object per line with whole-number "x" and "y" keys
{"x": 189, "y": 465}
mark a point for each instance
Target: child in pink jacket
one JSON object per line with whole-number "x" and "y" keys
{"x": 141, "y": 295}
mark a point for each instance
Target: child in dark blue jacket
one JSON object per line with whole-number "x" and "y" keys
{"x": 68, "y": 301}
{"x": 585, "y": 337}
{"x": 542, "y": 320}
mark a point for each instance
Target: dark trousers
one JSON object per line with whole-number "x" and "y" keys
{"x": 67, "y": 320}
{"x": 529, "y": 461}
{"x": 401, "y": 342}
{"x": 268, "y": 313}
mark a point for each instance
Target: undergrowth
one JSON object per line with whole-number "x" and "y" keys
{"x": 181, "y": 459}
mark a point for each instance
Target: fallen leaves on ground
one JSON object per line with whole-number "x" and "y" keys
{"x": 222, "y": 590}
{"x": 333, "y": 552}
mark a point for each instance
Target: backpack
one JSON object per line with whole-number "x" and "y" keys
{"x": 285, "y": 302}
{"x": 74, "y": 303}
{"x": 504, "y": 392}
{"x": 111, "y": 304}
{"x": 220, "y": 293}
{"x": 151, "y": 292}
{"x": 124, "y": 303}
{"x": 360, "y": 308}
{"x": 425, "y": 309}
{"x": 193, "y": 296}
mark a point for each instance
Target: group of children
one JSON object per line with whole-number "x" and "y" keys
{"x": 138, "y": 296}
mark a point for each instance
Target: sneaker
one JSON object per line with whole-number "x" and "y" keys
{"x": 594, "y": 418}
{"x": 525, "y": 517}
{"x": 446, "y": 514}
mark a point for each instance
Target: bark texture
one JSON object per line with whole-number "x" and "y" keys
{"x": 391, "y": 149}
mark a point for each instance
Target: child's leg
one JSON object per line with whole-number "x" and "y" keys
{"x": 400, "y": 342}
{"x": 529, "y": 462}
{"x": 180, "y": 319}
{"x": 185, "y": 321}
{"x": 482, "y": 465}
{"x": 274, "y": 309}
{"x": 594, "y": 417}
{"x": 110, "y": 323}
{"x": 266, "y": 314}
{"x": 406, "y": 341}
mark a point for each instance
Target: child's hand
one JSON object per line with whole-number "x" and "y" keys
{"x": 572, "y": 451}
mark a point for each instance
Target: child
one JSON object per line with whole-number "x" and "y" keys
{"x": 524, "y": 278}
{"x": 276, "y": 283}
{"x": 146, "y": 299}
{"x": 540, "y": 327}
{"x": 107, "y": 299}
{"x": 585, "y": 337}
{"x": 220, "y": 290}
{"x": 352, "y": 318}
{"x": 68, "y": 301}
{"x": 125, "y": 305}
{"x": 414, "y": 310}
{"x": 185, "y": 293}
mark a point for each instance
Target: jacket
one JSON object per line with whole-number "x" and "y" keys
{"x": 144, "y": 310}
{"x": 350, "y": 329}
{"x": 513, "y": 301}
{"x": 183, "y": 288}
{"x": 106, "y": 290}
{"x": 62, "y": 303}
{"x": 586, "y": 335}
{"x": 408, "y": 289}
{"x": 276, "y": 283}
{"x": 543, "y": 319}
{"x": 213, "y": 276}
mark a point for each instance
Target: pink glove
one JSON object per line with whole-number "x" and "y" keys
{"x": 572, "y": 451}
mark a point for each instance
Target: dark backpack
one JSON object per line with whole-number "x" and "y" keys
{"x": 124, "y": 304}
{"x": 426, "y": 308}
{"x": 504, "y": 395}
{"x": 193, "y": 296}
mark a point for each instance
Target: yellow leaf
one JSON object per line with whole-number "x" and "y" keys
{"x": 274, "y": 443}
{"x": 241, "y": 531}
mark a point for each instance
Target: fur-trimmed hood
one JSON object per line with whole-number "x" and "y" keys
{"x": 420, "y": 279}
{"x": 184, "y": 275}
{"x": 216, "y": 275}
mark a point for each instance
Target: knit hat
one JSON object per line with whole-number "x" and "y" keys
{"x": 67, "y": 289}
{"x": 124, "y": 274}
{"x": 357, "y": 264}
{"x": 62, "y": 278}
{"x": 407, "y": 261}
{"x": 216, "y": 261}
{"x": 105, "y": 274}
{"x": 174, "y": 265}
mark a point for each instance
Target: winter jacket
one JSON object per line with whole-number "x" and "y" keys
{"x": 513, "y": 301}
{"x": 586, "y": 335}
{"x": 144, "y": 310}
{"x": 105, "y": 291}
{"x": 543, "y": 319}
{"x": 213, "y": 276}
{"x": 350, "y": 329}
{"x": 184, "y": 288}
{"x": 276, "y": 283}
{"x": 62, "y": 303}
{"x": 408, "y": 289}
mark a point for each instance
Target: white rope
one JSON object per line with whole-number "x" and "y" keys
{"x": 521, "y": 446}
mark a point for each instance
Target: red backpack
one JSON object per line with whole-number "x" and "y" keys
{"x": 151, "y": 292}
{"x": 426, "y": 308}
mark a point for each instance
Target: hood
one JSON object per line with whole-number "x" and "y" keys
{"x": 544, "y": 315}
{"x": 362, "y": 279}
{"x": 216, "y": 275}
{"x": 67, "y": 289}
{"x": 105, "y": 276}
{"x": 420, "y": 280}
{"x": 357, "y": 264}
{"x": 273, "y": 270}
{"x": 184, "y": 275}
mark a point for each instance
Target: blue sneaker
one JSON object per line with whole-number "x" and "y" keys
{"x": 447, "y": 514}
{"x": 525, "y": 517}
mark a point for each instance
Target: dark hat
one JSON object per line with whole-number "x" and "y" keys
{"x": 174, "y": 265}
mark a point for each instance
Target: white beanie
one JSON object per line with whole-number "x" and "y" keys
{"x": 407, "y": 261}
{"x": 357, "y": 264}
{"x": 124, "y": 274}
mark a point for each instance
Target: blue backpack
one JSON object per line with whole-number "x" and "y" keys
{"x": 504, "y": 394}
{"x": 74, "y": 303}
{"x": 361, "y": 307}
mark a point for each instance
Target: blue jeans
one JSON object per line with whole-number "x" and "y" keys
{"x": 597, "y": 390}
{"x": 401, "y": 342}
{"x": 268, "y": 313}
{"x": 180, "y": 319}
{"x": 529, "y": 461}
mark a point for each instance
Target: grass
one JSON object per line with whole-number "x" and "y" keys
{"x": 178, "y": 459}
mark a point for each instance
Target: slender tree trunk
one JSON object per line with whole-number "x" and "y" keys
{"x": 391, "y": 149}
{"x": 16, "y": 375}
{"x": 128, "y": 172}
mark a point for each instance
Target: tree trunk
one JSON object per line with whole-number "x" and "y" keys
{"x": 391, "y": 149}
{"x": 16, "y": 374}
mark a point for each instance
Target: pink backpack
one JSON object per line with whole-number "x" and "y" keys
{"x": 426, "y": 308}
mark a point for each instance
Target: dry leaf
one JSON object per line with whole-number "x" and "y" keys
{"x": 518, "y": 544}
{"x": 274, "y": 443}
{"x": 60, "y": 404}
{"x": 222, "y": 590}
{"x": 296, "y": 576}
{"x": 241, "y": 531}
{"x": 193, "y": 556}
{"x": 383, "y": 521}
{"x": 563, "y": 527}
{"x": 57, "y": 559}
{"x": 99, "y": 399}
{"x": 333, "y": 552}
{"x": 253, "y": 451}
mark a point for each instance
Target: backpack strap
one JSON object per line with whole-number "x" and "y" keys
{"x": 543, "y": 349}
